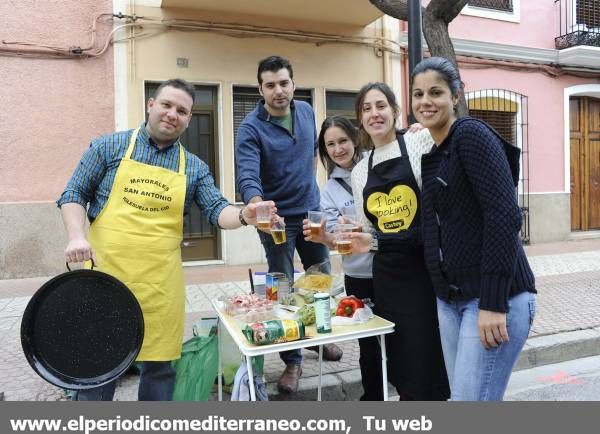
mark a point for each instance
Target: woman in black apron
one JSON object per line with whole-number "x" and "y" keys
{"x": 403, "y": 290}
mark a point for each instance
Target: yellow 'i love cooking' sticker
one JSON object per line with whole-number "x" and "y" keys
{"x": 394, "y": 211}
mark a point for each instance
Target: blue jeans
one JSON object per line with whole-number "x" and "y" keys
{"x": 157, "y": 381}
{"x": 280, "y": 258}
{"x": 474, "y": 373}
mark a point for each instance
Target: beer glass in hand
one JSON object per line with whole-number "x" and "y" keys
{"x": 263, "y": 217}
{"x": 349, "y": 217}
{"x": 342, "y": 244}
{"x": 278, "y": 232}
{"x": 317, "y": 220}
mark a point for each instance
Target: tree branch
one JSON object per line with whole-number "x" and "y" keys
{"x": 394, "y": 8}
{"x": 436, "y": 17}
{"x": 446, "y": 10}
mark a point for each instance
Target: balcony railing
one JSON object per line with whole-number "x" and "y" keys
{"x": 579, "y": 23}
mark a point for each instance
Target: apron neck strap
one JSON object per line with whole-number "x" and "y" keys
{"x": 401, "y": 145}
{"x": 131, "y": 146}
{"x": 181, "y": 159}
{"x": 132, "y": 141}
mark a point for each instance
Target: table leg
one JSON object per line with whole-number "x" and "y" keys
{"x": 384, "y": 367}
{"x": 320, "y": 372}
{"x": 251, "y": 378}
{"x": 220, "y": 372}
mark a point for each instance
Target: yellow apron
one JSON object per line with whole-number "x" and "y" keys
{"x": 137, "y": 238}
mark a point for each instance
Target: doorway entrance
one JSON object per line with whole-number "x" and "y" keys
{"x": 201, "y": 240}
{"x": 584, "y": 125}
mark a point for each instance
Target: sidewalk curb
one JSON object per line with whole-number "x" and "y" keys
{"x": 560, "y": 347}
{"x": 538, "y": 351}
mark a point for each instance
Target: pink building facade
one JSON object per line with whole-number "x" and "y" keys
{"x": 55, "y": 102}
{"x": 514, "y": 72}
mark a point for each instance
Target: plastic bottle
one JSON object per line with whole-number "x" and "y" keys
{"x": 323, "y": 312}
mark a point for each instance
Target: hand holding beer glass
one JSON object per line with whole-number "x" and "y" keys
{"x": 342, "y": 243}
{"x": 257, "y": 212}
{"x": 317, "y": 223}
{"x": 264, "y": 215}
{"x": 323, "y": 237}
{"x": 360, "y": 242}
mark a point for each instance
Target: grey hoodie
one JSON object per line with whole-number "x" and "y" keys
{"x": 334, "y": 198}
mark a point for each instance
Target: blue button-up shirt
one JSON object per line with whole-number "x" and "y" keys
{"x": 93, "y": 177}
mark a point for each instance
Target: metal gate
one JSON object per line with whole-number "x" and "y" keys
{"x": 506, "y": 111}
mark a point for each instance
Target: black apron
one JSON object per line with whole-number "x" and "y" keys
{"x": 402, "y": 287}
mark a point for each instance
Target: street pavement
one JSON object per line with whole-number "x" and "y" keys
{"x": 567, "y": 325}
{"x": 574, "y": 380}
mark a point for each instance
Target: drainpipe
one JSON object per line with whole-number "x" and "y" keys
{"x": 415, "y": 44}
{"x": 386, "y": 54}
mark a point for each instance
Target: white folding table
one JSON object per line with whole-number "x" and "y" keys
{"x": 376, "y": 326}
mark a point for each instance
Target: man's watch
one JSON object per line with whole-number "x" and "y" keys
{"x": 243, "y": 221}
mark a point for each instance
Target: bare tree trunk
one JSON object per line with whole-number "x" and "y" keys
{"x": 436, "y": 17}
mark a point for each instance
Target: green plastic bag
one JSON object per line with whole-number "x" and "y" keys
{"x": 196, "y": 369}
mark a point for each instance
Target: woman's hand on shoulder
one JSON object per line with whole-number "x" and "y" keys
{"x": 415, "y": 128}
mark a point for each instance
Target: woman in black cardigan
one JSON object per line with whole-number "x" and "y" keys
{"x": 471, "y": 222}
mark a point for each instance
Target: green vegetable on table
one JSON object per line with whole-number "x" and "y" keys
{"x": 309, "y": 297}
{"x": 306, "y": 314}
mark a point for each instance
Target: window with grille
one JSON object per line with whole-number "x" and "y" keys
{"x": 341, "y": 104}
{"x": 503, "y": 122}
{"x": 588, "y": 12}
{"x": 498, "y": 108}
{"x": 498, "y": 5}
{"x": 245, "y": 99}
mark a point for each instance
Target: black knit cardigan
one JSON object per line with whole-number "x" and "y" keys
{"x": 471, "y": 219}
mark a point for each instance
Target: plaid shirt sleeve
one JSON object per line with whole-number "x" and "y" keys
{"x": 207, "y": 196}
{"x": 86, "y": 177}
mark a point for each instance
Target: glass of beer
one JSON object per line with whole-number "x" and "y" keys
{"x": 342, "y": 244}
{"x": 316, "y": 219}
{"x": 263, "y": 217}
{"x": 349, "y": 215}
{"x": 278, "y": 232}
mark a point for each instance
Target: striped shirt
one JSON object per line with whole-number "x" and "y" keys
{"x": 93, "y": 177}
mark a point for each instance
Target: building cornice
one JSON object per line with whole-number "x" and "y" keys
{"x": 574, "y": 57}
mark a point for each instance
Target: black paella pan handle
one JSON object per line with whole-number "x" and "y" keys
{"x": 91, "y": 260}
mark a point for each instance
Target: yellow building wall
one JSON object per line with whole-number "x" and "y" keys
{"x": 225, "y": 61}
{"x": 228, "y": 61}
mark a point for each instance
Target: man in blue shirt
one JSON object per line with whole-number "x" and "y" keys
{"x": 276, "y": 160}
{"x": 138, "y": 185}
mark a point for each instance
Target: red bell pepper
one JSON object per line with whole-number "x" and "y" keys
{"x": 348, "y": 305}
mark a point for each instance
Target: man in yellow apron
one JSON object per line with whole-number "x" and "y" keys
{"x": 138, "y": 183}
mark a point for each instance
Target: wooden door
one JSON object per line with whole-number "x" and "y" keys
{"x": 201, "y": 240}
{"x": 585, "y": 163}
{"x": 593, "y": 135}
